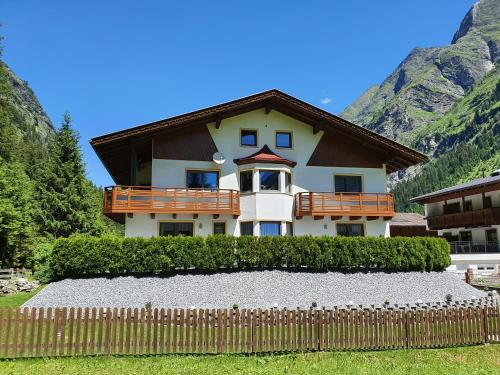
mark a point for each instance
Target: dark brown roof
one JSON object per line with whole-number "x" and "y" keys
{"x": 265, "y": 155}
{"x": 112, "y": 148}
{"x": 408, "y": 219}
{"x": 477, "y": 186}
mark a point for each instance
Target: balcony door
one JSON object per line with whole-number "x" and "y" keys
{"x": 206, "y": 180}
{"x": 348, "y": 184}
{"x": 492, "y": 235}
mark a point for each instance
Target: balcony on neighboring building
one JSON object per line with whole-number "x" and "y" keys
{"x": 158, "y": 200}
{"x": 473, "y": 218}
{"x": 336, "y": 205}
{"x": 474, "y": 247}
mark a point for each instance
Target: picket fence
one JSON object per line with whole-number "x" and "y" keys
{"x": 75, "y": 331}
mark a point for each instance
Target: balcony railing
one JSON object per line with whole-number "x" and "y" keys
{"x": 474, "y": 247}
{"x": 475, "y": 218}
{"x": 344, "y": 204}
{"x": 148, "y": 199}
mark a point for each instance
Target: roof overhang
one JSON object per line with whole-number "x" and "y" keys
{"x": 458, "y": 192}
{"x": 113, "y": 148}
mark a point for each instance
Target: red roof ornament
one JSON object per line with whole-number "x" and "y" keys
{"x": 265, "y": 155}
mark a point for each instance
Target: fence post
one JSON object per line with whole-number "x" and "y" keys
{"x": 469, "y": 275}
{"x": 485, "y": 324}
{"x": 407, "y": 328}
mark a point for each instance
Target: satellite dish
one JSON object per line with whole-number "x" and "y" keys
{"x": 219, "y": 158}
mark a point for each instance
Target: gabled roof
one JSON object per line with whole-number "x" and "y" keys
{"x": 264, "y": 155}
{"x": 480, "y": 185}
{"x": 113, "y": 148}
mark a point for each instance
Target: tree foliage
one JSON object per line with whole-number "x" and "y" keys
{"x": 64, "y": 193}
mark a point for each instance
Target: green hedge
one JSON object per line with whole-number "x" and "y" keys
{"x": 84, "y": 255}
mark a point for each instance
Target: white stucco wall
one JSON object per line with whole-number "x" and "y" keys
{"x": 258, "y": 206}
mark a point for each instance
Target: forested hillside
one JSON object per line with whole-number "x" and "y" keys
{"x": 445, "y": 102}
{"x": 44, "y": 193}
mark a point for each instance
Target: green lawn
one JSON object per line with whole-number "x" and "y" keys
{"x": 16, "y": 300}
{"x": 467, "y": 360}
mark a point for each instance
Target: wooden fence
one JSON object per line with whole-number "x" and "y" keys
{"x": 10, "y": 273}
{"x": 69, "y": 331}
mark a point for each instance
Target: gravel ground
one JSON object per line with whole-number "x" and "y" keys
{"x": 255, "y": 289}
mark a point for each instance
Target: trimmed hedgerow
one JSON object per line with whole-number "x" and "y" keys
{"x": 84, "y": 255}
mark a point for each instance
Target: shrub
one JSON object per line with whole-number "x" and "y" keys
{"x": 83, "y": 255}
{"x": 41, "y": 262}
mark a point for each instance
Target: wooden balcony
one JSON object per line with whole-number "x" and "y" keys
{"x": 157, "y": 200}
{"x": 336, "y": 205}
{"x": 475, "y": 218}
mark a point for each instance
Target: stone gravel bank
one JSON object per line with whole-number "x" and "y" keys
{"x": 256, "y": 289}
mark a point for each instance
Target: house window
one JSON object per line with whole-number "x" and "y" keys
{"x": 350, "y": 230}
{"x": 269, "y": 180}
{"x": 466, "y": 236}
{"x": 487, "y": 202}
{"x": 289, "y": 229}
{"x": 202, "y": 179}
{"x": 283, "y": 140}
{"x": 467, "y": 206}
{"x": 246, "y": 181}
{"x": 248, "y": 137}
{"x": 350, "y": 184}
{"x": 288, "y": 182}
{"x": 246, "y": 228}
{"x": 219, "y": 227}
{"x": 451, "y": 208}
{"x": 270, "y": 228}
{"x": 492, "y": 235}
{"x": 176, "y": 229}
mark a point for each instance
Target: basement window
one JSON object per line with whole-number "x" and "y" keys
{"x": 246, "y": 228}
{"x": 219, "y": 227}
{"x": 176, "y": 229}
{"x": 350, "y": 230}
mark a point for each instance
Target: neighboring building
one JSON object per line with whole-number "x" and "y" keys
{"x": 468, "y": 216}
{"x": 266, "y": 164}
{"x": 409, "y": 225}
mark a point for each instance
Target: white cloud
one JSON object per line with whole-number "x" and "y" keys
{"x": 326, "y": 100}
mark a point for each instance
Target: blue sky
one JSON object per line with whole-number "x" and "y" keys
{"x": 118, "y": 64}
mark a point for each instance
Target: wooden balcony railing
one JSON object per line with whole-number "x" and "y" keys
{"x": 148, "y": 199}
{"x": 344, "y": 204}
{"x": 474, "y": 218}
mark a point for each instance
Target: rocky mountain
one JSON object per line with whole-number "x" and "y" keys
{"x": 429, "y": 82}
{"x": 20, "y": 109}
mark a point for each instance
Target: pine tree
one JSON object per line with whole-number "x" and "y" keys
{"x": 17, "y": 233}
{"x": 67, "y": 205}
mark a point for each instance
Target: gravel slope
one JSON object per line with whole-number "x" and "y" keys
{"x": 255, "y": 289}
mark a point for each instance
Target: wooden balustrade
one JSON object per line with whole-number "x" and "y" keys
{"x": 148, "y": 199}
{"x": 474, "y": 218}
{"x": 344, "y": 204}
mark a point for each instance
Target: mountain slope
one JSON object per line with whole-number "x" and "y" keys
{"x": 426, "y": 85}
{"x": 445, "y": 102}
{"x": 20, "y": 106}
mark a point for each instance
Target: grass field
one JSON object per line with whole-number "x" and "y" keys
{"x": 16, "y": 300}
{"x": 466, "y": 360}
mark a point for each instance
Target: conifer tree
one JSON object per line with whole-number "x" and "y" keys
{"x": 67, "y": 205}
{"x": 16, "y": 228}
